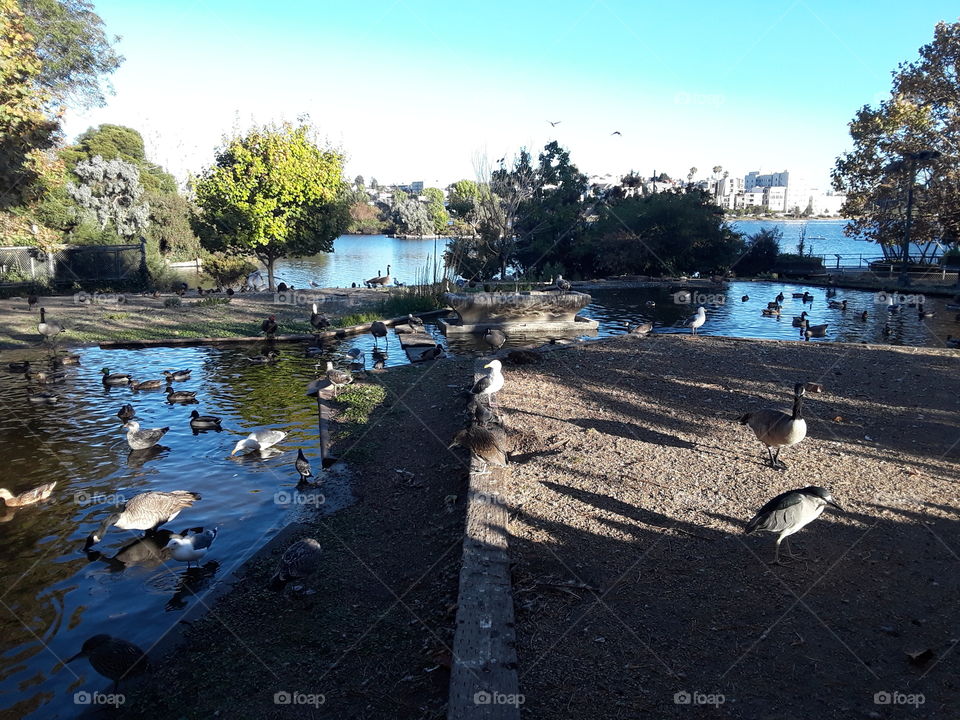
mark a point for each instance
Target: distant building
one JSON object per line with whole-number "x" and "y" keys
{"x": 416, "y": 187}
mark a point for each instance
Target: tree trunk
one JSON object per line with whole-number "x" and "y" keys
{"x": 272, "y": 286}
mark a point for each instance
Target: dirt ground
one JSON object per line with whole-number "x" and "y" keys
{"x": 91, "y": 319}
{"x": 375, "y": 639}
{"x": 637, "y": 594}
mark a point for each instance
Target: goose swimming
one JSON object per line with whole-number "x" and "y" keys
{"x": 28, "y": 497}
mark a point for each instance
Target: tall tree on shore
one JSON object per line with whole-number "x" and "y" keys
{"x": 111, "y": 191}
{"x": 274, "y": 193}
{"x": 905, "y": 152}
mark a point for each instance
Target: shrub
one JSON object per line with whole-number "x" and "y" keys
{"x": 172, "y": 302}
{"x": 227, "y": 269}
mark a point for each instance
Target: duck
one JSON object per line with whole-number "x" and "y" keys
{"x": 19, "y": 367}
{"x": 299, "y": 561}
{"x": 482, "y": 445}
{"x": 800, "y": 319}
{"x": 66, "y": 359}
{"x": 303, "y": 466}
{"x": 28, "y": 497}
{"x": 415, "y": 323}
{"x": 146, "y": 385}
{"x": 638, "y": 329}
{"x": 433, "y": 353}
{"x": 696, "y": 321}
{"x": 115, "y": 378}
{"x": 126, "y": 412}
{"x": 180, "y": 396}
{"x": 43, "y": 398}
{"x": 46, "y": 378}
{"x": 494, "y": 338}
{"x": 270, "y": 357}
{"x": 777, "y": 429}
{"x": 191, "y": 548}
{"x": 771, "y": 312}
{"x": 145, "y": 511}
{"x": 114, "y": 658}
{"x": 177, "y": 375}
{"x": 139, "y": 439}
{"x": 318, "y": 320}
{"x": 378, "y": 329}
{"x": 49, "y": 329}
{"x": 204, "y": 422}
{"x": 259, "y": 440}
{"x": 338, "y": 378}
{"x": 269, "y": 326}
{"x": 745, "y": 298}
{"x": 808, "y": 331}
{"x": 863, "y": 316}
{"x": 835, "y": 305}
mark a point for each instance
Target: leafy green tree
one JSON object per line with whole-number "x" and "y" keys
{"x": 170, "y": 225}
{"x": 907, "y": 147}
{"x": 412, "y": 216}
{"x": 763, "y": 248}
{"x": 117, "y": 141}
{"x": 24, "y": 130}
{"x": 463, "y": 197}
{"x": 272, "y": 192}
{"x": 111, "y": 191}
{"x": 435, "y": 208}
{"x": 358, "y": 182}
{"x": 73, "y": 48}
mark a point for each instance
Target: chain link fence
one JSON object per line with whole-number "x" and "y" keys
{"x": 81, "y": 265}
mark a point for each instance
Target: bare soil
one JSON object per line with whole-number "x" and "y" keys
{"x": 633, "y": 580}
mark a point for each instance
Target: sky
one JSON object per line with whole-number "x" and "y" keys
{"x": 423, "y": 89}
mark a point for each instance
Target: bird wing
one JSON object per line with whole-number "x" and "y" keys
{"x": 203, "y": 540}
{"x": 161, "y": 503}
{"x": 480, "y": 385}
{"x": 266, "y": 438}
{"x": 775, "y": 516}
{"x": 152, "y": 434}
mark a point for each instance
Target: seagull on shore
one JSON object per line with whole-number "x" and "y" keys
{"x": 696, "y": 320}
{"x": 259, "y": 440}
{"x": 491, "y": 383}
{"x": 191, "y": 548}
{"x": 789, "y": 513}
{"x": 299, "y": 561}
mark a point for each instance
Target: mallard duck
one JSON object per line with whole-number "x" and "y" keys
{"x": 259, "y": 440}
{"x": 190, "y": 548}
{"x": 113, "y": 658}
{"x": 180, "y": 396}
{"x": 415, "y": 323}
{"x": 177, "y": 375}
{"x": 561, "y": 284}
{"x": 145, "y": 511}
{"x": 146, "y": 385}
{"x": 19, "y": 367}
{"x": 30, "y": 497}
{"x": 204, "y": 422}
{"x": 649, "y": 304}
{"x": 139, "y": 439}
{"x": 270, "y": 357}
{"x": 43, "y": 398}
{"x": 46, "y": 378}
{"x": 299, "y": 561}
{"x": 777, "y": 429}
{"x": 67, "y": 359}
{"x": 126, "y": 412}
{"x": 110, "y": 378}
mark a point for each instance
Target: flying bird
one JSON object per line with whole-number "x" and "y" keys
{"x": 554, "y": 124}
{"x": 615, "y": 132}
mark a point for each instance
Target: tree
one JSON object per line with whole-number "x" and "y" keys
{"x": 24, "y": 130}
{"x": 358, "y": 182}
{"x": 170, "y": 225}
{"x": 73, "y": 48}
{"x": 435, "y": 208}
{"x": 272, "y": 192}
{"x": 693, "y": 171}
{"x": 905, "y": 149}
{"x": 412, "y": 216}
{"x": 117, "y": 141}
{"x": 763, "y": 248}
{"x": 111, "y": 190}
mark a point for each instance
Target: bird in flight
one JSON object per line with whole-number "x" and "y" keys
{"x": 554, "y": 124}
{"x": 615, "y": 132}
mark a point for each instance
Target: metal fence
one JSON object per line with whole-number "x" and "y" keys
{"x": 79, "y": 264}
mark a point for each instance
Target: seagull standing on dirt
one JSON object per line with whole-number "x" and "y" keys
{"x": 491, "y": 383}
{"x": 696, "y": 320}
{"x": 789, "y": 513}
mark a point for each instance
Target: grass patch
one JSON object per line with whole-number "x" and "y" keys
{"x": 210, "y": 300}
{"x": 360, "y": 401}
{"x": 358, "y": 318}
{"x": 117, "y": 316}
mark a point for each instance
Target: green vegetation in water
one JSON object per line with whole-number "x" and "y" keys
{"x": 360, "y": 401}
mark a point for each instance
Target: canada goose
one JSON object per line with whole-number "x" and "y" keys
{"x": 180, "y": 396}
{"x": 126, "y": 412}
{"x": 19, "y": 367}
{"x": 697, "y": 320}
{"x": 259, "y": 440}
{"x": 771, "y": 312}
{"x": 777, "y": 429}
{"x": 523, "y": 357}
{"x": 29, "y": 497}
{"x": 835, "y": 305}
{"x": 640, "y": 329}
{"x": 482, "y": 444}
{"x": 191, "y": 548}
{"x": 808, "y": 331}
{"x": 800, "y": 319}
{"x": 303, "y": 466}
{"x": 373, "y": 281}
{"x": 145, "y": 511}
{"x": 269, "y": 326}
{"x": 146, "y": 385}
{"x": 380, "y": 280}
{"x": 204, "y": 422}
{"x": 337, "y": 378}
{"x": 494, "y": 338}
{"x": 299, "y": 561}
{"x": 139, "y": 439}
{"x": 863, "y": 316}
{"x": 744, "y": 298}
{"x": 779, "y": 298}
{"x": 115, "y": 378}
{"x": 789, "y": 513}
{"x": 177, "y": 375}
{"x": 491, "y": 383}
{"x": 385, "y": 280}
{"x": 113, "y": 658}
{"x": 50, "y": 329}
{"x": 318, "y": 320}
{"x": 379, "y": 330}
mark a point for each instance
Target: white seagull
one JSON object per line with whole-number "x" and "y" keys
{"x": 259, "y": 440}
{"x": 191, "y": 548}
{"x": 696, "y": 320}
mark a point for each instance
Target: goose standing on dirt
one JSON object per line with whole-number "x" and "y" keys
{"x": 318, "y": 321}
{"x": 337, "y": 378}
{"x": 789, "y": 513}
{"x": 110, "y": 378}
{"x": 494, "y": 338}
{"x": 191, "y": 548}
{"x": 259, "y": 440}
{"x": 204, "y": 422}
{"x": 378, "y": 329}
{"x": 303, "y": 466}
{"x": 145, "y": 511}
{"x": 113, "y": 658}
{"x": 696, "y": 321}
{"x": 299, "y": 561}
{"x": 139, "y": 439}
{"x": 29, "y": 497}
{"x": 491, "y": 383}
{"x": 49, "y": 329}
{"x": 777, "y": 429}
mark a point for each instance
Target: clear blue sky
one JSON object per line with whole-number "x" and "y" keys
{"x": 416, "y": 89}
